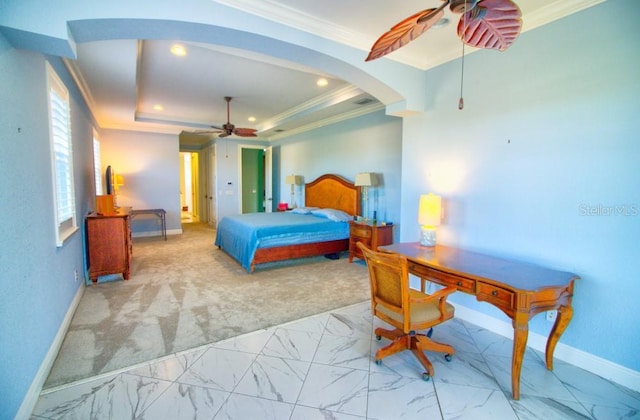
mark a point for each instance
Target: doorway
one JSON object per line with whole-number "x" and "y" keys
{"x": 189, "y": 187}
{"x": 255, "y": 179}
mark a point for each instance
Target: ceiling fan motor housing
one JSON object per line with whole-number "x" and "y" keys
{"x": 462, "y": 6}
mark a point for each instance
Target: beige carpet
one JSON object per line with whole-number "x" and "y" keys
{"x": 184, "y": 293}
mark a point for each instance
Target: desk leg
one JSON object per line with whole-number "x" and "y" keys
{"x": 164, "y": 225}
{"x": 565, "y": 313}
{"x": 520, "y": 335}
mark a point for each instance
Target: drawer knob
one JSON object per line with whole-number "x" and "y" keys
{"x": 459, "y": 283}
{"x": 494, "y": 293}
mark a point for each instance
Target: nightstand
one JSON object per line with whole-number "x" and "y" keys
{"x": 372, "y": 236}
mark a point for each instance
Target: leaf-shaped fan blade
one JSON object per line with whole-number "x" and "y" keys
{"x": 203, "y": 132}
{"x": 405, "y": 32}
{"x": 492, "y": 24}
{"x": 245, "y": 132}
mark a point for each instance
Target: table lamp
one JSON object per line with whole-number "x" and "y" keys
{"x": 366, "y": 180}
{"x": 429, "y": 214}
{"x": 118, "y": 181}
{"x": 293, "y": 180}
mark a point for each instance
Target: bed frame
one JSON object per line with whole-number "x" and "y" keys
{"x": 327, "y": 191}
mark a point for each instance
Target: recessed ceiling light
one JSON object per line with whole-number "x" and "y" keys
{"x": 178, "y": 50}
{"x": 322, "y": 82}
{"x": 252, "y": 119}
{"x": 158, "y": 107}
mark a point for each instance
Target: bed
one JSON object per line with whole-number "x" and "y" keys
{"x": 318, "y": 228}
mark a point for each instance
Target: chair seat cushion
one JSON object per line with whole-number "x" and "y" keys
{"x": 420, "y": 312}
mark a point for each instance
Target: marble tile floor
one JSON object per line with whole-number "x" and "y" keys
{"x": 322, "y": 367}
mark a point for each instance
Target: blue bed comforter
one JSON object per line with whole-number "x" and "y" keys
{"x": 241, "y": 235}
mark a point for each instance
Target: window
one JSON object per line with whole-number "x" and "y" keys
{"x": 97, "y": 168}
{"x": 62, "y": 157}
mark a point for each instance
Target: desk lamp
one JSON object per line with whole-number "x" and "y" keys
{"x": 429, "y": 214}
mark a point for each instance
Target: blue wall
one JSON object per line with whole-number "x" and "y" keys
{"x": 549, "y": 130}
{"x": 370, "y": 143}
{"x": 150, "y": 165}
{"x": 38, "y": 280}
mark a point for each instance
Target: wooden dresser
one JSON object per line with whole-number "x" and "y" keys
{"x": 371, "y": 235}
{"x": 109, "y": 245}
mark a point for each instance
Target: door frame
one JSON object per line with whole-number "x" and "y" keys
{"x": 208, "y": 162}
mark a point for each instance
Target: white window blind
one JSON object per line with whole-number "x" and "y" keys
{"x": 97, "y": 168}
{"x": 62, "y": 158}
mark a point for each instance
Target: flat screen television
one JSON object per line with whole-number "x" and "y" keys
{"x": 108, "y": 179}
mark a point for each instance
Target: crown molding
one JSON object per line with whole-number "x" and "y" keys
{"x": 328, "y": 121}
{"x": 555, "y": 11}
{"x": 81, "y": 83}
{"x": 289, "y": 16}
{"x": 319, "y": 102}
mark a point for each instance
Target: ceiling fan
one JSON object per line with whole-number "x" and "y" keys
{"x": 228, "y": 128}
{"x": 491, "y": 24}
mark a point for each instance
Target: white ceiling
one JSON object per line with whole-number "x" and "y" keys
{"x": 122, "y": 80}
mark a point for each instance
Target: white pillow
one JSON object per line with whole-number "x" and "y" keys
{"x": 333, "y": 214}
{"x": 304, "y": 210}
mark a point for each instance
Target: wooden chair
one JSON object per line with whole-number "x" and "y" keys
{"x": 406, "y": 309}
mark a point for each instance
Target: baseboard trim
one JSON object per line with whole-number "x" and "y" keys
{"x": 31, "y": 398}
{"x": 155, "y": 233}
{"x": 611, "y": 371}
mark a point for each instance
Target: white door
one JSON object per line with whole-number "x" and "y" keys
{"x": 268, "y": 185}
{"x": 211, "y": 186}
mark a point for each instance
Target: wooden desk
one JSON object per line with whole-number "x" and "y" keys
{"x": 520, "y": 290}
{"x": 159, "y": 213}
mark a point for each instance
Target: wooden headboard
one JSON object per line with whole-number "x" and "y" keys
{"x": 335, "y": 192}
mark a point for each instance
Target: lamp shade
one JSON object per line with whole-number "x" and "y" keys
{"x": 429, "y": 210}
{"x": 366, "y": 179}
{"x": 118, "y": 180}
{"x": 293, "y": 180}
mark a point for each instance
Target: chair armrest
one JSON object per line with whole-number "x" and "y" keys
{"x": 439, "y": 297}
{"x": 440, "y": 294}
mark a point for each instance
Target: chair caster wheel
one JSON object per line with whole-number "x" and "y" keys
{"x": 430, "y": 332}
{"x": 378, "y": 337}
{"x": 448, "y": 357}
{"x": 426, "y": 376}
{"x": 378, "y": 362}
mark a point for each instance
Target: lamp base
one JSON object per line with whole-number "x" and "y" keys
{"x": 428, "y": 236}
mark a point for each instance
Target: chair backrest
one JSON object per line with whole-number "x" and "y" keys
{"x": 389, "y": 278}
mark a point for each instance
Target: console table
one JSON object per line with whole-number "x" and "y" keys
{"x": 159, "y": 213}
{"x": 520, "y": 290}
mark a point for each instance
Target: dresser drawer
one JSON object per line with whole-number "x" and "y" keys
{"x": 360, "y": 231}
{"x": 355, "y": 239}
{"x": 502, "y": 298}
{"x": 370, "y": 235}
{"x": 461, "y": 283}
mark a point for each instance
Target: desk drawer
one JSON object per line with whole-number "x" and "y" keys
{"x": 502, "y": 298}
{"x": 463, "y": 284}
